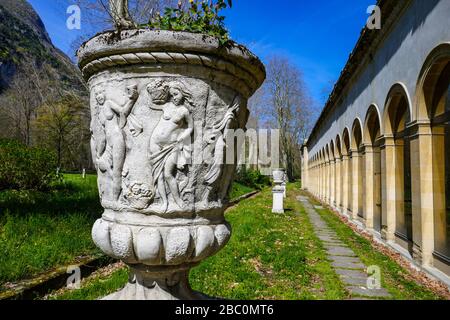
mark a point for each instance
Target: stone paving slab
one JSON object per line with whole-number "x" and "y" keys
{"x": 348, "y": 265}
{"x": 336, "y": 243}
{"x": 340, "y": 251}
{"x": 372, "y": 293}
{"x": 357, "y": 282}
{"x": 351, "y": 273}
{"x": 344, "y": 260}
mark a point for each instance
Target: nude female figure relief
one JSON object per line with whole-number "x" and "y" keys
{"x": 170, "y": 143}
{"x": 111, "y": 152}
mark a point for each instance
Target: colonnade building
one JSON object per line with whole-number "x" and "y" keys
{"x": 380, "y": 151}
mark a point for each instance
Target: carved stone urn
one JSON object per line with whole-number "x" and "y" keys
{"x": 278, "y": 176}
{"x": 163, "y": 104}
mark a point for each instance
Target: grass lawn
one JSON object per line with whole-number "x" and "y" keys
{"x": 43, "y": 230}
{"x": 272, "y": 257}
{"x": 269, "y": 257}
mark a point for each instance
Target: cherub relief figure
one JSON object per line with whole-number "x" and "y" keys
{"x": 111, "y": 152}
{"x": 120, "y": 13}
{"x": 170, "y": 143}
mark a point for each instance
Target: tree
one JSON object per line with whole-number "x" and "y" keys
{"x": 61, "y": 125}
{"x": 287, "y": 106}
{"x": 20, "y": 101}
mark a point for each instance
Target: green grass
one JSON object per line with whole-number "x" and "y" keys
{"x": 238, "y": 190}
{"x": 269, "y": 257}
{"x": 42, "y": 230}
{"x": 394, "y": 277}
{"x": 96, "y": 287}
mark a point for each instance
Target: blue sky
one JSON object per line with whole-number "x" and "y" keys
{"x": 317, "y": 35}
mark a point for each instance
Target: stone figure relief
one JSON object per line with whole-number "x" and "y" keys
{"x": 120, "y": 14}
{"x": 111, "y": 151}
{"x": 170, "y": 144}
{"x": 216, "y": 140}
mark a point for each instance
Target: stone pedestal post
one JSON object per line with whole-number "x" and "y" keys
{"x": 278, "y": 199}
{"x": 163, "y": 104}
{"x": 279, "y": 190}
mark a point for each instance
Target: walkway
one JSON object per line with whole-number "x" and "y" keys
{"x": 346, "y": 263}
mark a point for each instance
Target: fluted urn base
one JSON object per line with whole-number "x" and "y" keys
{"x": 147, "y": 283}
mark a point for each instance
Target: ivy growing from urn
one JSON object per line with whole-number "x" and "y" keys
{"x": 200, "y": 16}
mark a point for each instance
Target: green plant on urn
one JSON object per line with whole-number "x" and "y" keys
{"x": 162, "y": 104}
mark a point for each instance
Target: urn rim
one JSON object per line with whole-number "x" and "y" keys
{"x": 179, "y": 45}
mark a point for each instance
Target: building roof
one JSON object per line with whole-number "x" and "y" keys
{"x": 367, "y": 43}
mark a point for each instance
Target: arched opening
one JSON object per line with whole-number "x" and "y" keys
{"x": 338, "y": 159}
{"x": 398, "y": 166}
{"x": 332, "y": 174}
{"x": 320, "y": 174}
{"x": 372, "y": 142}
{"x": 434, "y": 105}
{"x": 347, "y": 172}
{"x": 328, "y": 174}
{"x": 357, "y": 170}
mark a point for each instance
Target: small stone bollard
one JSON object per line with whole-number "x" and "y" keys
{"x": 84, "y": 173}
{"x": 278, "y": 205}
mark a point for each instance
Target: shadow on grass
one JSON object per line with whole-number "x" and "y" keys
{"x": 67, "y": 197}
{"x": 42, "y": 230}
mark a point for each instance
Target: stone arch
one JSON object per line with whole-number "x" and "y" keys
{"x": 357, "y": 169}
{"x": 428, "y": 89}
{"x": 338, "y": 145}
{"x": 357, "y": 135}
{"x": 346, "y": 141}
{"x": 397, "y": 193}
{"x": 431, "y": 145}
{"x": 346, "y": 172}
{"x": 332, "y": 150}
{"x": 372, "y": 126}
{"x": 327, "y": 173}
{"x": 372, "y": 160}
{"x": 333, "y": 173}
{"x": 338, "y": 174}
{"x": 397, "y": 110}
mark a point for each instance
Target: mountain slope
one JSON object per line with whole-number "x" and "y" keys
{"x": 24, "y": 41}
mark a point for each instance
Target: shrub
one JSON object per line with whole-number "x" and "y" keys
{"x": 22, "y": 167}
{"x": 201, "y": 16}
{"x": 252, "y": 178}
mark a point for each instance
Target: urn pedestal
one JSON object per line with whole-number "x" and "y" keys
{"x": 162, "y": 106}
{"x": 279, "y": 191}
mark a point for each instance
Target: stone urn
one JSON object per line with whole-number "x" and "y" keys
{"x": 162, "y": 106}
{"x": 278, "y": 176}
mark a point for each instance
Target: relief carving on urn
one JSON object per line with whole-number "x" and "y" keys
{"x": 159, "y": 125}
